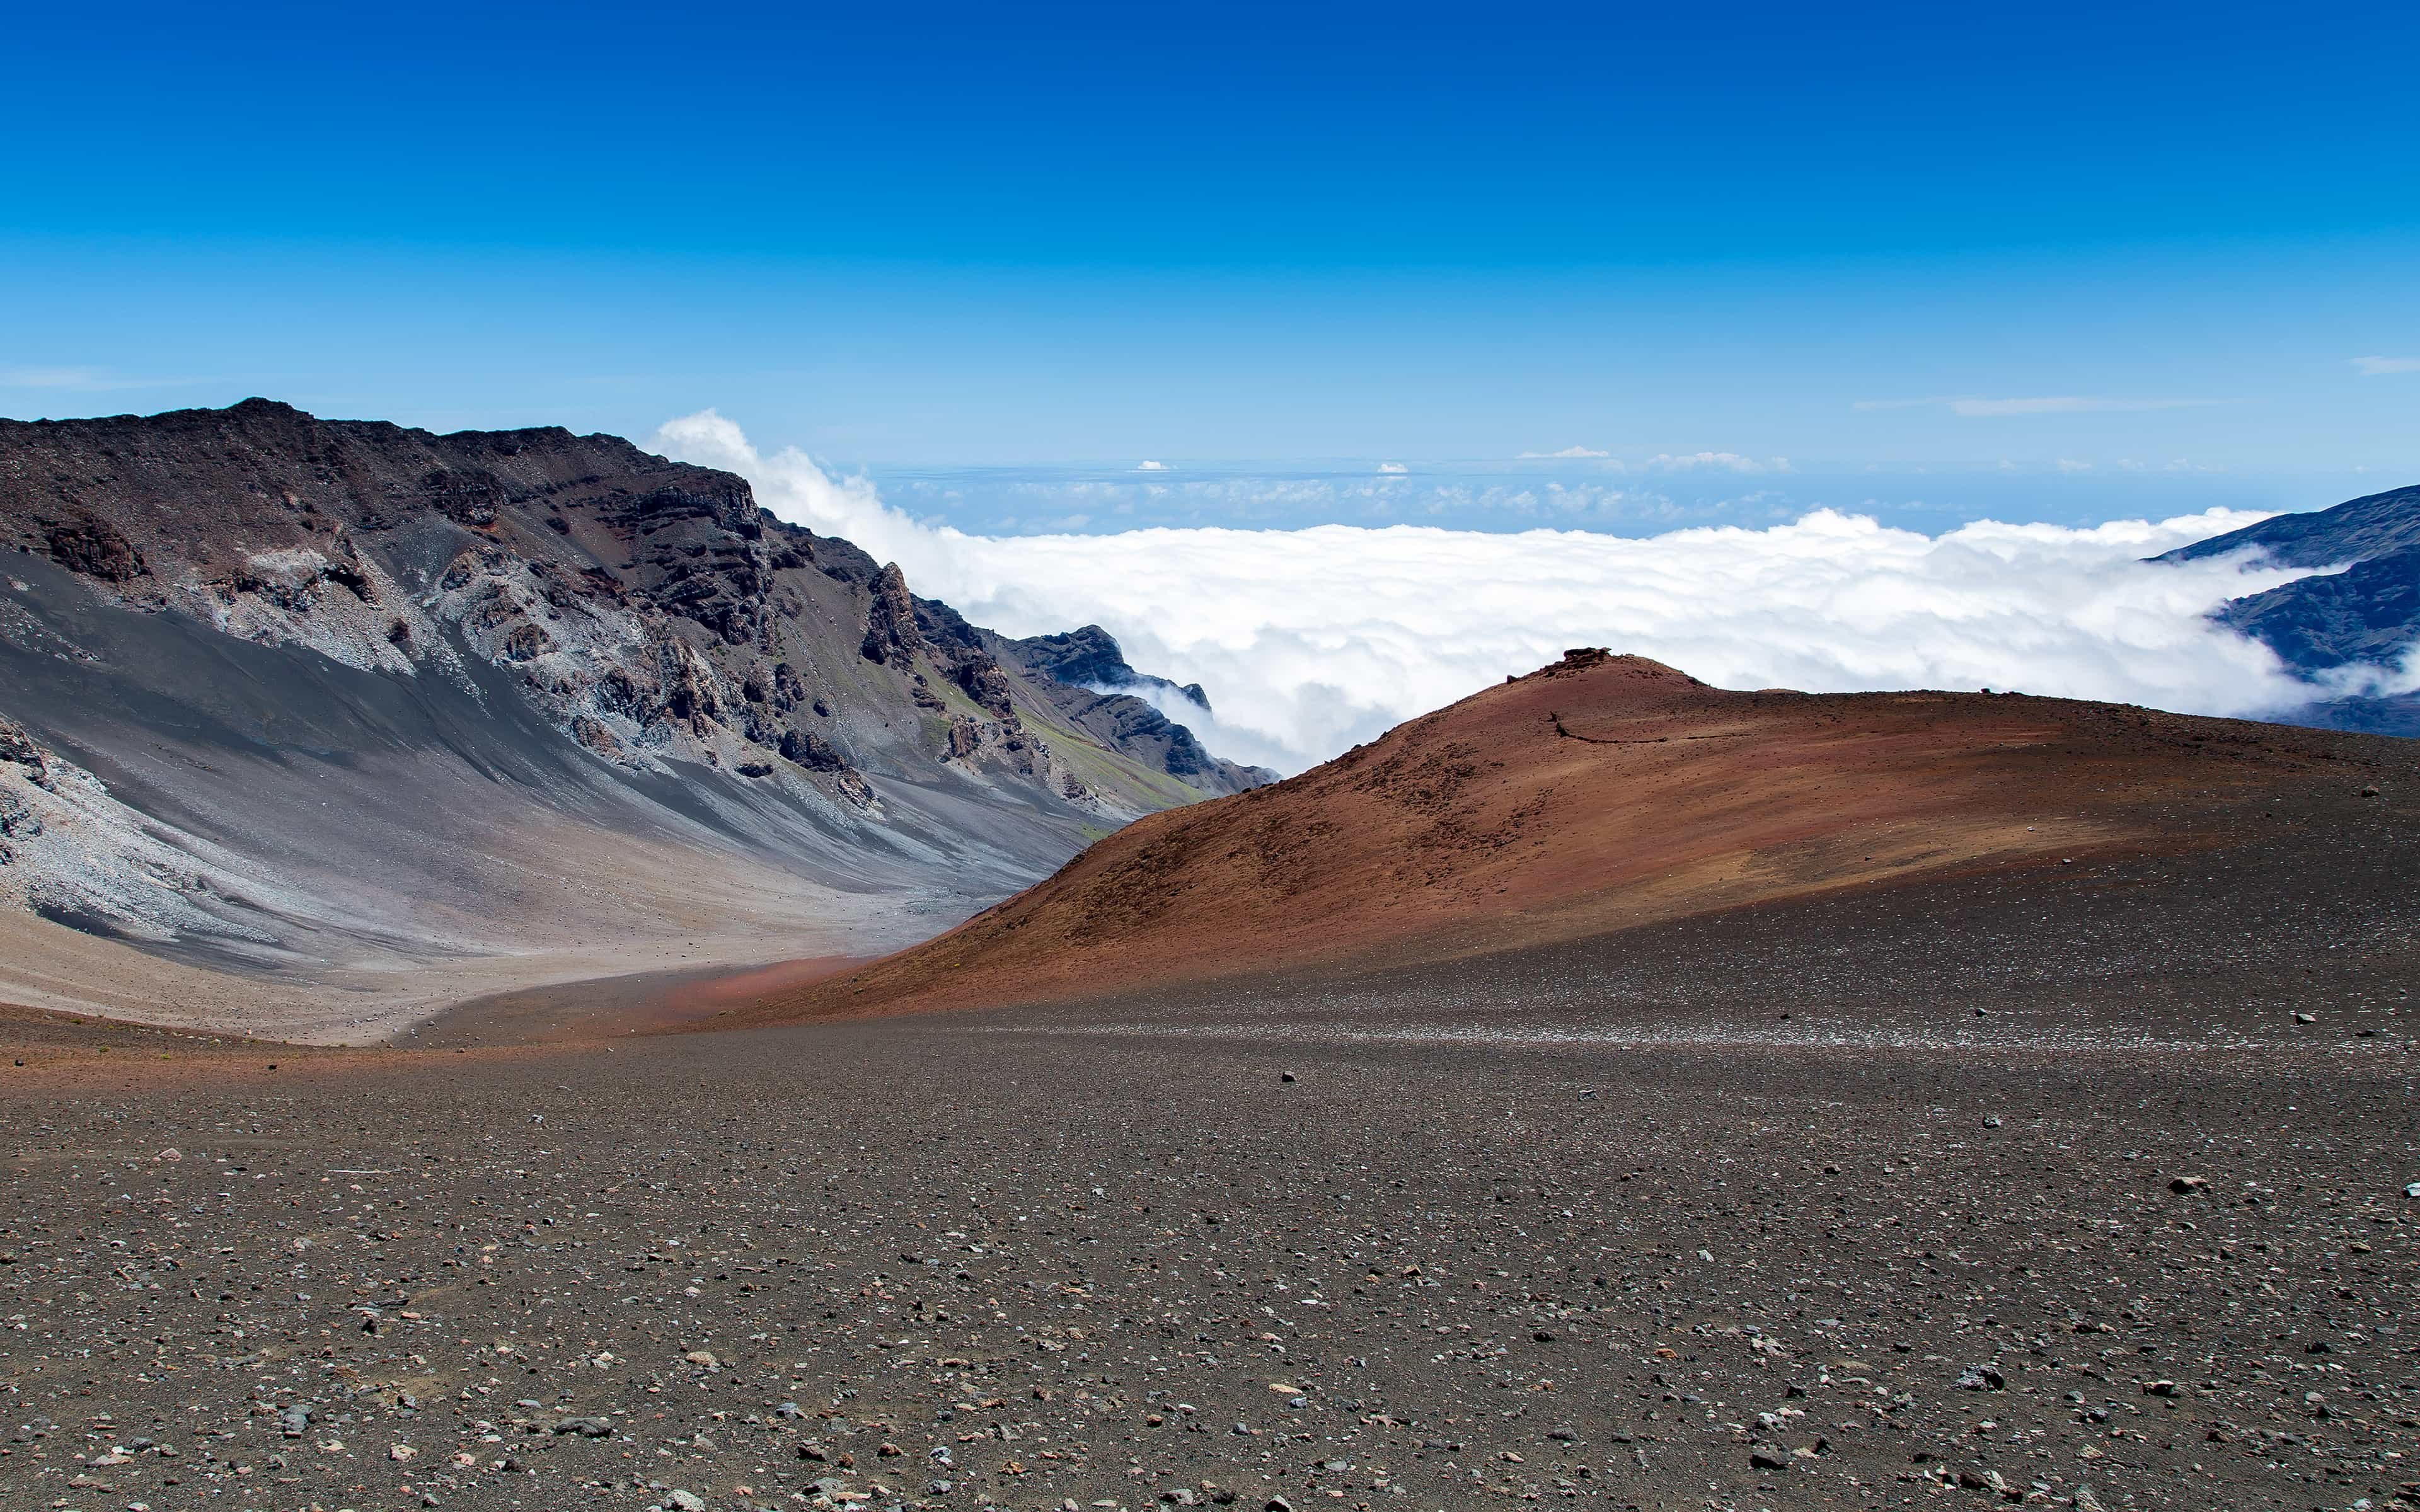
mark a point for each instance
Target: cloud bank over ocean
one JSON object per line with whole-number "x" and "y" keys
{"x": 1312, "y": 639}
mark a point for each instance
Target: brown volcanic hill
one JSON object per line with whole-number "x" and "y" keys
{"x": 1600, "y": 793}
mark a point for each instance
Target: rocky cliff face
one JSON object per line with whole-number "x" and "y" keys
{"x": 692, "y": 659}
{"x": 649, "y": 608}
{"x": 1091, "y": 658}
{"x": 1085, "y": 675}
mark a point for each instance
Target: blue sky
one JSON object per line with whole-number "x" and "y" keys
{"x": 2049, "y": 262}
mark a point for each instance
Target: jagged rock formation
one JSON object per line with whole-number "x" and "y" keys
{"x": 2368, "y": 614}
{"x": 622, "y": 638}
{"x": 1091, "y": 658}
{"x": 1085, "y": 674}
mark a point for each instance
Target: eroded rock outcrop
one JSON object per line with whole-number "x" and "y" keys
{"x": 890, "y": 637}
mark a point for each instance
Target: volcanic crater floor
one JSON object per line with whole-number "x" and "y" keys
{"x": 1598, "y": 1225}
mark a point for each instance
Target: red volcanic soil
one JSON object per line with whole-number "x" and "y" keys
{"x": 1597, "y": 794}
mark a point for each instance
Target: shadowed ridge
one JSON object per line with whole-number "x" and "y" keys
{"x": 1595, "y": 794}
{"x": 2353, "y": 530}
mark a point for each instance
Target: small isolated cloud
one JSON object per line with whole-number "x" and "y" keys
{"x": 2069, "y": 464}
{"x": 1394, "y": 468}
{"x": 1151, "y": 467}
{"x": 1568, "y": 454}
{"x": 1725, "y": 461}
{"x": 2380, "y": 366}
{"x": 1975, "y": 406}
{"x": 1312, "y": 639}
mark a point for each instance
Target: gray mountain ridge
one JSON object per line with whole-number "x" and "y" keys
{"x": 310, "y": 696}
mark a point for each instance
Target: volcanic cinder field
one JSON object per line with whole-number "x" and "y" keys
{"x": 1609, "y": 1090}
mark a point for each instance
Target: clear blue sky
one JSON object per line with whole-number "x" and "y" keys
{"x": 1899, "y": 241}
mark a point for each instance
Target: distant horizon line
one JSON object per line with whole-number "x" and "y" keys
{"x": 1663, "y": 464}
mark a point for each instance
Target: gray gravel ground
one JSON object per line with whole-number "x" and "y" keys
{"x": 1430, "y": 1241}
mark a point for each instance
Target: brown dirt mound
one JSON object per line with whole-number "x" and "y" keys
{"x": 1600, "y": 793}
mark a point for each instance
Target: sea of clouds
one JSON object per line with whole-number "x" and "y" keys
{"x": 1311, "y": 641}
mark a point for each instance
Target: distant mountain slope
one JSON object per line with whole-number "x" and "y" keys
{"x": 2367, "y": 615}
{"x": 1597, "y": 794}
{"x": 2357, "y": 529}
{"x": 321, "y": 678}
{"x": 2370, "y": 613}
{"x": 1085, "y": 674}
{"x": 1090, "y": 657}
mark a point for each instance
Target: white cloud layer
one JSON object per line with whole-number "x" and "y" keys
{"x": 2380, "y": 366}
{"x": 1309, "y": 640}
